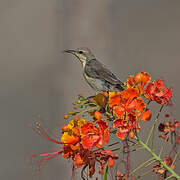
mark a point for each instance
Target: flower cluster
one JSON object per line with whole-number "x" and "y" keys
{"x": 169, "y": 127}
{"x": 86, "y": 142}
{"x": 129, "y": 106}
{"x": 158, "y": 168}
{"x": 79, "y": 139}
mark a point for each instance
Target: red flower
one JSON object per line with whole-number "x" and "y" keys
{"x": 139, "y": 81}
{"x": 129, "y": 108}
{"x": 142, "y": 78}
{"x": 126, "y": 101}
{"x": 89, "y": 159}
{"x": 169, "y": 127}
{"x": 78, "y": 161}
{"x": 93, "y": 135}
{"x": 103, "y": 157}
{"x": 121, "y": 132}
{"x": 159, "y": 169}
{"x": 125, "y": 126}
{"x": 156, "y": 91}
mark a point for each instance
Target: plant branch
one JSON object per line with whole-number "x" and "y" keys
{"x": 162, "y": 146}
{"x": 151, "y": 133}
{"x": 144, "y": 174}
{"x": 105, "y": 171}
{"x": 158, "y": 158}
{"x": 141, "y": 165}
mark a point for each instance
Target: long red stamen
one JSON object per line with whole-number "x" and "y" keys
{"x": 41, "y": 131}
{"x": 45, "y": 157}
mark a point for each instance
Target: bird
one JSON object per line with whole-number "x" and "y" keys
{"x": 97, "y": 75}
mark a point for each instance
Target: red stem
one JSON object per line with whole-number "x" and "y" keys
{"x": 127, "y": 150}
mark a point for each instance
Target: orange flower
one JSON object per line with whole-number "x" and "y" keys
{"x": 128, "y": 101}
{"x": 121, "y": 132}
{"x": 125, "y": 126}
{"x": 93, "y": 135}
{"x": 124, "y": 97}
{"x": 139, "y": 81}
{"x": 123, "y": 101}
{"x": 156, "y": 91}
{"x": 71, "y": 133}
{"x": 142, "y": 78}
{"x": 114, "y": 98}
{"x": 69, "y": 139}
{"x": 131, "y": 81}
{"x": 129, "y": 94}
{"x": 129, "y": 107}
{"x": 104, "y": 156}
{"x": 78, "y": 161}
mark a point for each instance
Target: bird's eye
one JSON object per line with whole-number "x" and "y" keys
{"x": 80, "y": 52}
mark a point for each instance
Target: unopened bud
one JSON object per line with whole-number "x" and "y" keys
{"x": 97, "y": 115}
{"x": 75, "y": 107}
{"x": 70, "y": 112}
{"x": 76, "y": 118}
{"x": 131, "y": 134}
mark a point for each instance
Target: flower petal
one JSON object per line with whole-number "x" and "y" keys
{"x": 146, "y": 115}
{"x": 78, "y": 161}
{"x": 114, "y": 98}
{"x": 110, "y": 162}
{"x": 142, "y": 77}
{"x": 121, "y": 132}
{"x": 69, "y": 139}
{"x": 90, "y": 141}
{"x": 118, "y": 110}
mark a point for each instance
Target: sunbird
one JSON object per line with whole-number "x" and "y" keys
{"x": 95, "y": 73}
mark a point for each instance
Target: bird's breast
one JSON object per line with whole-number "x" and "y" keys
{"x": 96, "y": 84}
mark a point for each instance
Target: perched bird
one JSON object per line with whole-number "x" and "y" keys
{"x": 95, "y": 73}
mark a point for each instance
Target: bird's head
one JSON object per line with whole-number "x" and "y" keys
{"x": 83, "y": 54}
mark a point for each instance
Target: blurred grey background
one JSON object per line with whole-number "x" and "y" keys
{"x": 36, "y": 78}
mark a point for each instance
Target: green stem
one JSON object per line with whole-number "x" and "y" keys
{"x": 153, "y": 127}
{"x": 144, "y": 174}
{"x": 149, "y": 163}
{"x": 105, "y": 171}
{"x": 177, "y": 154}
{"x": 87, "y": 110}
{"x": 140, "y": 166}
{"x": 169, "y": 177}
{"x": 162, "y": 146}
{"x": 158, "y": 158}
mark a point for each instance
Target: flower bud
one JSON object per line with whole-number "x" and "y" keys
{"x": 131, "y": 134}
{"x": 97, "y": 115}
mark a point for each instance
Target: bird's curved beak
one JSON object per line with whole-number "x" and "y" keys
{"x": 69, "y": 51}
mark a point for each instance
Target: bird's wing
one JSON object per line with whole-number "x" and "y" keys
{"x": 97, "y": 70}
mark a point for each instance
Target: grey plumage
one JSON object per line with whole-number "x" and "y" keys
{"x": 97, "y": 70}
{"x": 96, "y": 74}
